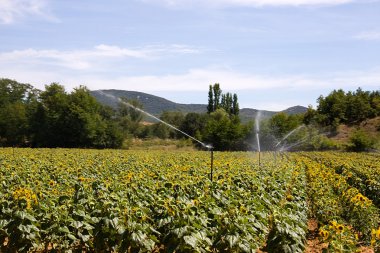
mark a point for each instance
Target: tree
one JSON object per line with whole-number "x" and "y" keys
{"x": 358, "y": 106}
{"x": 235, "y": 105}
{"x": 14, "y": 101}
{"x": 194, "y": 123}
{"x": 282, "y": 123}
{"x": 210, "y": 105}
{"x": 375, "y": 102}
{"x": 129, "y": 118}
{"x": 226, "y": 102}
{"x": 310, "y": 116}
{"x": 83, "y": 118}
{"x": 217, "y": 95}
{"x": 216, "y": 100}
{"x": 352, "y": 108}
{"x": 14, "y": 123}
{"x": 225, "y": 132}
{"x": 54, "y": 124}
{"x": 361, "y": 141}
{"x": 72, "y": 120}
{"x": 175, "y": 119}
{"x": 333, "y": 108}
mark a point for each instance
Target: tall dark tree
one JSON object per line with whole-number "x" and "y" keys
{"x": 14, "y": 102}
{"x": 227, "y": 101}
{"x": 217, "y": 96}
{"x": 235, "y": 105}
{"x": 210, "y": 105}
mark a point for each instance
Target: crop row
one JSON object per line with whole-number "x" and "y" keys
{"x": 126, "y": 201}
{"x": 362, "y": 171}
{"x": 347, "y": 217}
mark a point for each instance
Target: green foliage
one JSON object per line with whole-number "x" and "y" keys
{"x": 275, "y": 129}
{"x": 54, "y": 118}
{"x": 194, "y": 123}
{"x": 281, "y": 124}
{"x": 217, "y": 100}
{"x": 225, "y": 132}
{"x": 361, "y": 141}
{"x": 345, "y": 107}
{"x": 128, "y": 117}
{"x": 128, "y": 201}
{"x": 210, "y": 105}
{"x": 322, "y": 142}
{"x": 217, "y": 95}
{"x": 175, "y": 119}
{"x": 14, "y": 100}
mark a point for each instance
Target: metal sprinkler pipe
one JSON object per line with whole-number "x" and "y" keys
{"x": 258, "y": 145}
{"x": 211, "y": 149}
{"x": 259, "y": 159}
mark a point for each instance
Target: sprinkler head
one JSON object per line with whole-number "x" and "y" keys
{"x": 209, "y": 146}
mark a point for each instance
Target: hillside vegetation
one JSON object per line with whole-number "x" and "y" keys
{"x": 157, "y": 105}
{"x": 57, "y": 118}
{"x": 350, "y": 117}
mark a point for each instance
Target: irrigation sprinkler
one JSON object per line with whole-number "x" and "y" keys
{"x": 257, "y": 124}
{"x": 207, "y": 146}
{"x": 211, "y": 148}
{"x": 289, "y": 134}
{"x": 258, "y": 144}
{"x": 258, "y": 140}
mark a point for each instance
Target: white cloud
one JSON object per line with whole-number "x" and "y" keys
{"x": 82, "y": 67}
{"x": 87, "y": 59}
{"x": 253, "y": 3}
{"x": 73, "y": 68}
{"x": 11, "y": 10}
{"x": 368, "y": 35}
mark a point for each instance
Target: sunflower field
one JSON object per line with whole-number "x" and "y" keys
{"x": 76, "y": 200}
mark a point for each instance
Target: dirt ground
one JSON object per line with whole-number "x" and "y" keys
{"x": 315, "y": 246}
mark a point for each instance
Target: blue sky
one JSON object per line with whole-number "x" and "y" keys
{"x": 272, "y": 53}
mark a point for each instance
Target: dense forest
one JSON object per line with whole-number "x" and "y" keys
{"x": 57, "y": 118}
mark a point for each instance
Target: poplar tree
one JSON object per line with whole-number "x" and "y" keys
{"x": 235, "y": 105}
{"x": 210, "y": 106}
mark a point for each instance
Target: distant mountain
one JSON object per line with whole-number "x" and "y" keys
{"x": 247, "y": 114}
{"x": 152, "y": 104}
{"x": 156, "y": 105}
{"x": 295, "y": 110}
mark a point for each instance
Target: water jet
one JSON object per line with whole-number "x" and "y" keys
{"x": 209, "y": 147}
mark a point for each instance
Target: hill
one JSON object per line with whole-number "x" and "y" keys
{"x": 152, "y": 104}
{"x": 156, "y": 105}
{"x": 370, "y": 126}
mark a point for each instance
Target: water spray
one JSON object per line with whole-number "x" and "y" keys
{"x": 289, "y": 134}
{"x": 209, "y": 147}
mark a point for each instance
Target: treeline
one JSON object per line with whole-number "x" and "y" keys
{"x": 54, "y": 118}
{"x": 341, "y": 107}
{"x": 220, "y": 126}
{"x": 57, "y": 118}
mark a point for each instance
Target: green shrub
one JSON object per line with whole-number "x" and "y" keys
{"x": 361, "y": 141}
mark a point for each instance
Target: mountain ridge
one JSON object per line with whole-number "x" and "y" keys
{"x": 156, "y": 105}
